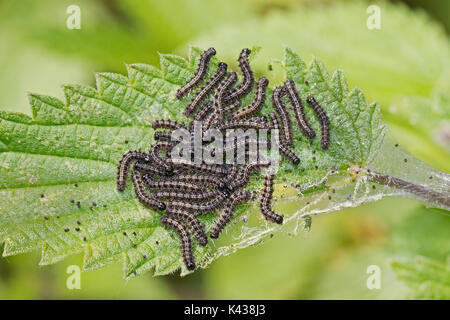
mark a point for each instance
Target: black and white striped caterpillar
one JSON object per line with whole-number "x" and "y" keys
{"x": 225, "y": 216}
{"x": 167, "y": 124}
{"x": 186, "y": 242}
{"x": 324, "y": 122}
{"x": 298, "y": 109}
{"x": 192, "y": 221}
{"x": 247, "y": 82}
{"x": 172, "y": 185}
{"x": 124, "y": 166}
{"x": 205, "y": 207}
{"x": 266, "y": 198}
{"x": 199, "y": 75}
{"x": 142, "y": 194}
{"x": 280, "y": 108}
{"x": 257, "y": 102}
{"x": 206, "y": 89}
{"x": 220, "y": 95}
{"x": 207, "y": 168}
{"x": 156, "y": 157}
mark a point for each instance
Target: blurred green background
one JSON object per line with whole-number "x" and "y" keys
{"x": 404, "y": 65}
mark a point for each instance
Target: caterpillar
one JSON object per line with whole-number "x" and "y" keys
{"x": 192, "y": 221}
{"x": 251, "y": 156}
{"x": 242, "y": 142}
{"x": 298, "y": 109}
{"x": 257, "y": 102}
{"x": 247, "y": 82}
{"x": 286, "y": 137}
{"x": 289, "y": 154}
{"x": 156, "y": 157}
{"x": 324, "y": 122}
{"x": 148, "y": 169}
{"x": 186, "y": 242}
{"x": 243, "y": 176}
{"x": 244, "y": 124}
{"x": 225, "y": 217}
{"x": 201, "y": 179}
{"x": 142, "y": 194}
{"x": 208, "y": 168}
{"x": 199, "y": 75}
{"x": 124, "y": 166}
{"x": 200, "y": 207}
{"x": 210, "y": 120}
{"x": 167, "y": 124}
{"x": 172, "y": 195}
{"x": 163, "y": 135}
{"x": 274, "y": 122}
{"x": 206, "y": 89}
{"x": 171, "y": 184}
{"x": 219, "y": 95}
{"x": 203, "y": 112}
{"x": 265, "y": 202}
{"x": 283, "y": 148}
{"x": 232, "y": 107}
{"x": 248, "y": 146}
{"x": 261, "y": 119}
{"x": 232, "y": 171}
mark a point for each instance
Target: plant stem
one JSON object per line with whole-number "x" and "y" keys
{"x": 422, "y": 192}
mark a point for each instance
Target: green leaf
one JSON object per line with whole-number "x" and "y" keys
{"x": 429, "y": 279}
{"x": 58, "y": 169}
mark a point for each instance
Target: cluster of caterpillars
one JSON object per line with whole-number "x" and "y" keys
{"x": 185, "y": 189}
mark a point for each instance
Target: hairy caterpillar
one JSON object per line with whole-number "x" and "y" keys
{"x": 225, "y": 217}
{"x": 156, "y": 157}
{"x": 283, "y": 148}
{"x": 266, "y": 198}
{"x": 202, "y": 179}
{"x": 232, "y": 107}
{"x": 148, "y": 169}
{"x": 203, "y": 112}
{"x": 257, "y": 102}
{"x": 198, "y": 207}
{"x": 143, "y": 195}
{"x": 124, "y": 166}
{"x": 243, "y": 176}
{"x": 247, "y": 82}
{"x": 274, "y": 122}
{"x": 219, "y": 95}
{"x": 186, "y": 242}
{"x": 167, "y": 124}
{"x": 210, "y": 120}
{"x": 208, "y": 168}
{"x": 194, "y": 224}
{"x": 244, "y": 124}
{"x": 298, "y": 109}
{"x": 206, "y": 89}
{"x": 171, "y": 184}
{"x": 173, "y": 195}
{"x": 289, "y": 154}
{"x": 324, "y": 122}
{"x": 163, "y": 135}
{"x": 286, "y": 138}
{"x": 199, "y": 75}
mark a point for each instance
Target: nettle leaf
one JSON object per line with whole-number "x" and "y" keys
{"x": 428, "y": 278}
{"x": 58, "y": 168}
